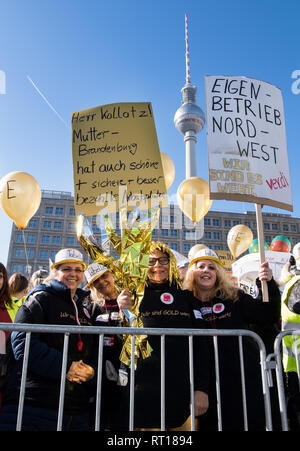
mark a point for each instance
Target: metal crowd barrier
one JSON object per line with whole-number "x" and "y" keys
{"x": 266, "y": 367}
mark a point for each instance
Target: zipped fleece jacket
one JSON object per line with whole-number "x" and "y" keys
{"x": 52, "y": 304}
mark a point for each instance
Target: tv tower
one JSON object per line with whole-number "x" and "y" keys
{"x": 189, "y": 118}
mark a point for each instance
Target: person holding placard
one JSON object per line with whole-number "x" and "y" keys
{"x": 223, "y": 306}
{"x": 166, "y": 305}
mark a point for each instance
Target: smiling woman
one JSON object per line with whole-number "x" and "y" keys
{"x": 222, "y": 306}
{"x": 57, "y": 301}
{"x": 166, "y": 305}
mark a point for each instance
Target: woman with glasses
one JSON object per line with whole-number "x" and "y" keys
{"x": 165, "y": 305}
{"x": 58, "y": 301}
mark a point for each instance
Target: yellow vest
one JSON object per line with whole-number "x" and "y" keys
{"x": 290, "y": 321}
{"x": 14, "y": 306}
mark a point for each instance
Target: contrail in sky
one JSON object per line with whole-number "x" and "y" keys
{"x": 48, "y": 103}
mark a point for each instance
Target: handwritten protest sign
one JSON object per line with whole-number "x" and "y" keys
{"x": 247, "y": 149}
{"x": 116, "y": 157}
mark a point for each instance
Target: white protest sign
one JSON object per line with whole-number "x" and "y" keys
{"x": 246, "y": 137}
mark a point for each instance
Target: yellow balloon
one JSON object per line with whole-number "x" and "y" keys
{"x": 168, "y": 169}
{"x": 193, "y": 198}
{"x": 20, "y": 197}
{"x": 239, "y": 239}
{"x": 195, "y": 249}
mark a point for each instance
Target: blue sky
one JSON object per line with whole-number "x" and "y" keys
{"x": 84, "y": 54}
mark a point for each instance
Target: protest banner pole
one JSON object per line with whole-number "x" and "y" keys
{"x": 262, "y": 257}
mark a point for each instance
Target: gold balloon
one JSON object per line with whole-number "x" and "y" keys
{"x": 195, "y": 249}
{"x": 239, "y": 239}
{"x": 193, "y": 198}
{"x": 20, "y": 197}
{"x": 168, "y": 169}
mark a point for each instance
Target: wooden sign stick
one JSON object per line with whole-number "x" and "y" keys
{"x": 260, "y": 236}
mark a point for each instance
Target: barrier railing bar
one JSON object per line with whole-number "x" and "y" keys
{"x": 131, "y": 399}
{"x": 243, "y": 383}
{"x": 218, "y": 391}
{"x": 23, "y": 382}
{"x": 99, "y": 383}
{"x": 192, "y": 390}
{"x": 162, "y": 383}
{"x": 63, "y": 382}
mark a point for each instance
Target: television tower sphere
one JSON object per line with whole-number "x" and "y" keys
{"x": 189, "y": 116}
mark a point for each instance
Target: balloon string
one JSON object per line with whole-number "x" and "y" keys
{"x": 26, "y": 256}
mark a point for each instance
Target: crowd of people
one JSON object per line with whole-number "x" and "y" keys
{"x": 201, "y": 297}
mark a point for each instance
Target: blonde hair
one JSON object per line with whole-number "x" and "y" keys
{"x": 223, "y": 289}
{"x": 174, "y": 275}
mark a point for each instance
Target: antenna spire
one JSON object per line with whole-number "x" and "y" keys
{"x": 187, "y": 55}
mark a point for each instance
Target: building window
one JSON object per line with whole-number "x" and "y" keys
{"x": 275, "y": 226}
{"x": 70, "y": 241}
{"x": 227, "y": 222}
{"x": 30, "y": 238}
{"x": 285, "y": 227}
{"x": 18, "y": 252}
{"x": 30, "y": 253}
{"x": 71, "y": 227}
{"x": 16, "y": 267}
{"x": 57, "y": 225}
{"x": 52, "y": 255}
{"x": 186, "y": 247}
{"x": 49, "y": 210}
{"x": 19, "y": 238}
{"x": 56, "y": 239}
{"x": 45, "y": 239}
{"x": 266, "y": 226}
{"x": 164, "y": 232}
{"x": 33, "y": 223}
{"x": 59, "y": 211}
{"x": 207, "y": 235}
{"x": 47, "y": 224}
{"x": 216, "y": 222}
{"x": 268, "y": 239}
{"x": 154, "y": 232}
{"x": 173, "y": 233}
{"x": 72, "y": 211}
{"x": 247, "y": 223}
{"x": 217, "y": 235}
{"x": 43, "y": 253}
{"x": 293, "y": 228}
{"x": 207, "y": 221}
{"x": 217, "y": 247}
{"x": 173, "y": 246}
{"x": 235, "y": 222}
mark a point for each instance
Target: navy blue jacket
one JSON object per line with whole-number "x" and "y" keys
{"x": 52, "y": 304}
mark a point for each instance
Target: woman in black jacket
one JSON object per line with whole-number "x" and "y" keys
{"x": 165, "y": 305}
{"x": 59, "y": 301}
{"x": 222, "y": 306}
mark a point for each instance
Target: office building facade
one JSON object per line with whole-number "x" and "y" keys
{"x": 53, "y": 227}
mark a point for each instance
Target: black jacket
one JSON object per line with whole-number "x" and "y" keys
{"x": 52, "y": 304}
{"x": 226, "y": 314}
{"x": 165, "y": 306}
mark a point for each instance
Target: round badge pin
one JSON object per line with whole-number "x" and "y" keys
{"x": 167, "y": 298}
{"x": 218, "y": 308}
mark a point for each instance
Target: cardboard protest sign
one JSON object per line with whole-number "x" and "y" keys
{"x": 116, "y": 157}
{"x": 247, "y": 150}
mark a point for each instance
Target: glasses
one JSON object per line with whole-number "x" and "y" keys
{"x": 68, "y": 270}
{"x": 160, "y": 260}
